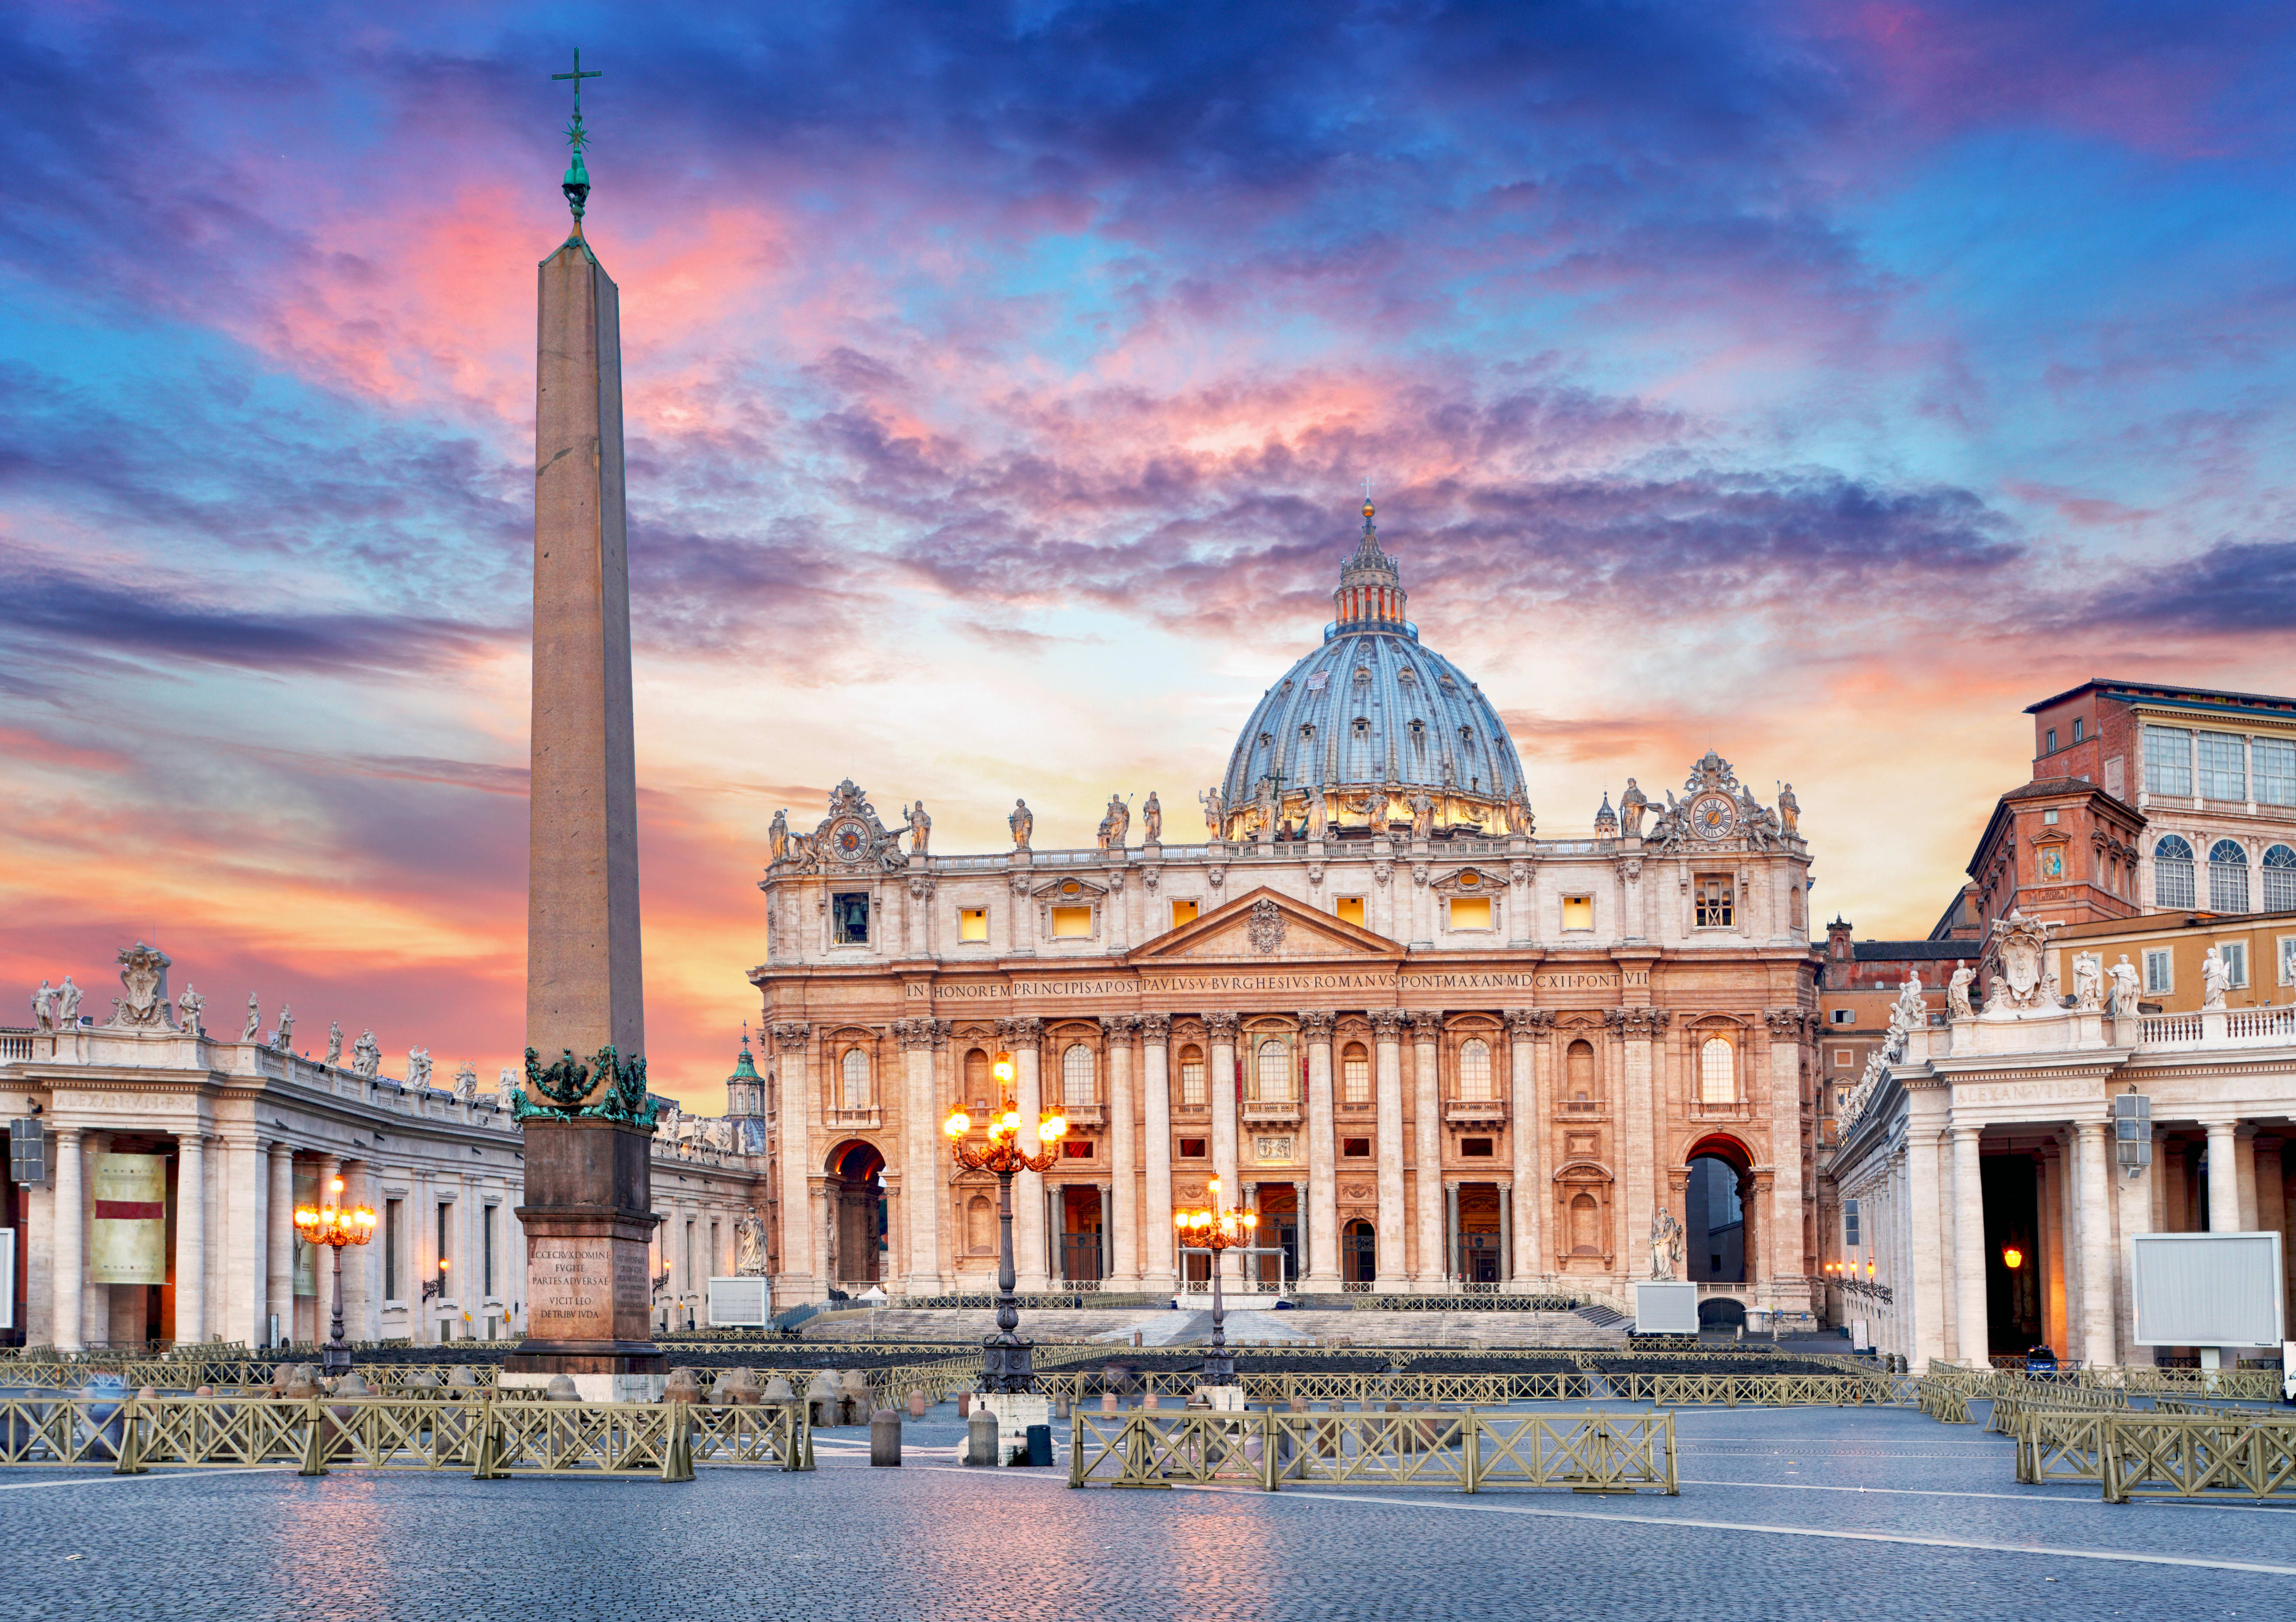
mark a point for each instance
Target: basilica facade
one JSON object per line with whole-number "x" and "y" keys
{"x": 1437, "y": 1052}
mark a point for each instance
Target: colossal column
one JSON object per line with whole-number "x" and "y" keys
{"x": 1220, "y": 1027}
{"x": 2097, "y": 1246}
{"x": 919, "y": 1039}
{"x": 1974, "y": 1344}
{"x": 1925, "y": 1273}
{"x": 2224, "y": 1176}
{"x": 1121, "y": 1215}
{"x": 590, "y": 1179}
{"x": 1320, "y": 1229}
{"x": 793, "y": 1038}
{"x": 1386, "y": 1030}
{"x": 68, "y": 1275}
{"x": 1792, "y": 1263}
{"x": 279, "y": 1242}
{"x": 1156, "y": 1127}
{"x": 1427, "y": 1147}
{"x": 1527, "y": 1121}
{"x": 1031, "y": 1262}
{"x": 191, "y": 1238}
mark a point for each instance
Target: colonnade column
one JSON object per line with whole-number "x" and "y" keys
{"x": 1526, "y": 1122}
{"x": 1506, "y": 1231}
{"x": 279, "y": 1246}
{"x": 1427, "y": 1145}
{"x": 1386, "y": 1030}
{"x": 1319, "y": 1216}
{"x": 1156, "y": 1221}
{"x": 70, "y": 1267}
{"x": 793, "y": 1107}
{"x": 191, "y": 1238}
{"x": 1972, "y": 1346}
{"x": 1220, "y": 1027}
{"x": 1925, "y": 1269}
{"x": 2244, "y": 1167}
{"x": 2096, "y": 1247}
{"x": 1451, "y": 1246}
{"x": 1023, "y": 1038}
{"x": 360, "y": 1261}
{"x": 2224, "y": 1176}
{"x": 919, "y": 1039}
{"x": 1120, "y": 1213}
{"x": 1790, "y": 1258}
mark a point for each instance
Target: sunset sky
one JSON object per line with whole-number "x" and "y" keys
{"x": 1818, "y": 384}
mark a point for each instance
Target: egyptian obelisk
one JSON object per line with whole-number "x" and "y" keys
{"x": 588, "y": 1211}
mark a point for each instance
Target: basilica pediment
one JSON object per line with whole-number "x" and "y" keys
{"x": 1264, "y": 927}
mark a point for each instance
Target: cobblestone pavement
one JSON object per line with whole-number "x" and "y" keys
{"x": 1799, "y": 1514}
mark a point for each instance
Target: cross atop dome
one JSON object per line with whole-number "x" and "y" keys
{"x": 1370, "y": 594}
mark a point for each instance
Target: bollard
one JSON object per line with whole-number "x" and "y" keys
{"x": 1060, "y": 1408}
{"x": 1108, "y": 1402}
{"x": 916, "y": 1404}
{"x": 981, "y": 1438}
{"x": 1135, "y": 1337}
{"x": 561, "y": 1389}
{"x": 1149, "y": 1402}
{"x": 884, "y": 1437}
{"x": 1040, "y": 1445}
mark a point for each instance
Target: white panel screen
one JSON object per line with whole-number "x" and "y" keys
{"x": 1666, "y": 1309}
{"x": 2203, "y": 1290}
{"x": 740, "y": 1303}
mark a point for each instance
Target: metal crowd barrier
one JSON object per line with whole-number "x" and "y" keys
{"x": 1598, "y": 1453}
{"x": 492, "y": 1438}
{"x": 2133, "y": 1454}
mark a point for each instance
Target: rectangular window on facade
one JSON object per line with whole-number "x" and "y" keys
{"x": 1192, "y": 1083}
{"x": 1193, "y": 1149}
{"x": 1470, "y": 912}
{"x": 2051, "y": 746}
{"x": 2077, "y": 729}
{"x": 1350, "y": 910}
{"x": 1076, "y": 1149}
{"x": 1718, "y": 896}
{"x": 2050, "y": 817}
{"x": 2224, "y": 765}
{"x": 1355, "y": 1081}
{"x": 1844, "y": 1016}
{"x": 447, "y": 1248}
{"x": 1183, "y": 911}
{"x": 2275, "y": 763}
{"x": 848, "y": 917}
{"x": 1850, "y": 1223}
{"x": 971, "y": 923}
{"x": 2287, "y": 945}
{"x": 394, "y": 1249}
{"x": 2168, "y": 761}
{"x": 1475, "y": 1146}
{"x": 2235, "y": 954}
{"x": 2159, "y": 971}
{"x": 1355, "y": 1148}
{"x": 486, "y": 1247}
{"x": 1071, "y": 923}
{"x": 1578, "y": 912}
{"x": 689, "y": 1254}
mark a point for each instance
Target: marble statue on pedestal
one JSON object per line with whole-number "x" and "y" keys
{"x": 366, "y": 1056}
{"x": 1422, "y": 815}
{"x": 2124, "y": 987}
{"x": 1021, "y": 823}
{"x": 334, "y": 1042}
{"x": 189, "y": 1004}
{"x": 67, "y": 1005}
{"x": 254, "y": 1020}
{"x": 1956, "y": 991}
{"x": 43, "y": 1007}
{"x": 1115, "y": 824}
{"x": 749, "y": 1246}
{"x": 1665, "y": 1244}
{"x": 2216, "y": 978}
{"x": 1152, "y": 820}
{"x": 1789, "y": 810}
{"x": 2089, "y": 981}
{"x": 920, "y": 829}
{"x": 418, "y": 1066}
{"x": 466, "y": 1082}
{"x": 777, "y": 839}
{"x": 1632, "y": 803}
{"x": 1215, "y": 813}
{"x": 284, "y": 1039}
{"x": 1319, "y": 812}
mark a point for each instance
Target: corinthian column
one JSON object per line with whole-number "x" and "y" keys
{"x": 793, "y": 1040}
{"x": 1386, "y": 1030}
{"x": 1024, "y": 1038}
{"x": 68, "y": 1205}
{"x": 191, "y": 1238}
{"x": 1156, "y": 1129}
{"x": 1122, "y": 1218}
{"x": 1974, "y": 1344}
{"x": 1427, "y": 1146}
{"x": 1221, "y": 1030}
{"x": 921, "y": 1141}
{"x": 280, "y": 1249}
{"x": 1527, "y": 1030}
{"x": 1320, "y": 1267}
{"x": 2097, "y": 1246}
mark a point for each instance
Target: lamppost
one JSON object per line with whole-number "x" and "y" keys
{"x": 1005, "y": 1359}
{"x": 331, "y": 1225}
{"x": 1216, "y": 1230}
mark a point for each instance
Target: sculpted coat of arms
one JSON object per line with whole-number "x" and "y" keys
{"x": 1266, "y": 925}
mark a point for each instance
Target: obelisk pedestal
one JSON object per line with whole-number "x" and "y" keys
{"x": 588, "y": 1209}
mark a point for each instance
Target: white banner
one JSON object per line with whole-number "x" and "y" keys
{"x": 131, "y": 1220}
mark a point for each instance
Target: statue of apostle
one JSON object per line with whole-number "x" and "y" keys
{"x": 1022, "y": 823}
{"x": 1152, "y": 820}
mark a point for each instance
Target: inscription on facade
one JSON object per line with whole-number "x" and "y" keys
{"x": 2026, "y": 1092}
{"x": 574, "y": 1287}
{"x": 1275, "y": 984}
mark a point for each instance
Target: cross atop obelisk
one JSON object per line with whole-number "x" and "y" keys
{"x": 589, "y": 1202}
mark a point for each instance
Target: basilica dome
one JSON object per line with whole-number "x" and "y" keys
{"x": 1373, "y": 718}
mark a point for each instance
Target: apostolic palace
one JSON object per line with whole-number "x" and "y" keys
{"x": 1436, "y": 1051}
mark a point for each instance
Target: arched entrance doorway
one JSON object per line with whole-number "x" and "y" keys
{"x": 1714, "y": 1226}
{"x": 857, "y": 1216}
{"x": 1360, "y": 1256}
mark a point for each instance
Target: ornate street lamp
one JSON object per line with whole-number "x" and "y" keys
{"x": 1006, "y": 1358}
{"x": 331, "y": 1225}
{"x": 1216, "y": 1230}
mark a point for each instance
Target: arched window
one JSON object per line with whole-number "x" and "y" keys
{"x": 1718, "y": 1074}
{"x": 1076, "y": 1075}
{"x": 2227, "y": 877}
{"x": 1580, "y": 1090}
{"x": 1475, "y": 1070}
{"x": 979, "y": 1094}
{"x": 1355, "y": 1075}
{"x": 2172, "y": 873}
{"x": 1272, "y": 1075}
{"x": 857, "y": 1080}
{"x": 1362, "y": 1252}
{"x": 1191, "y": 1077}
{"x": 2280, "y": 880}
{"x": 979, "y": 1226}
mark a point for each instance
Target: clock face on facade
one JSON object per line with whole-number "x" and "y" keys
{"x": 850, "y": 838}
{"x": 1713, "y": 816}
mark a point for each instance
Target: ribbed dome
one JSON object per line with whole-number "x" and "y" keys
{"x": 1374, "y": 716}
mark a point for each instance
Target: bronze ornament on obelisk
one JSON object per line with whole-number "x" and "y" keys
{"x": 588, "y": 1211}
